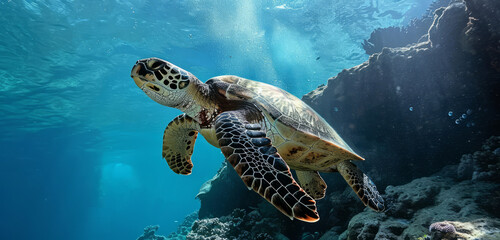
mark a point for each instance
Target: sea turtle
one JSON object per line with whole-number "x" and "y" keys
{"x": 262, "y": 130}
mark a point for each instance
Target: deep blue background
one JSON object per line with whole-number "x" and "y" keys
{"x": 80, "y": 144}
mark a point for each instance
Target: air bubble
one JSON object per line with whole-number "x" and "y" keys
{"x": 411, "y": 109}
{"x": 464, "y": 116}
{"x": 336, "y": 109}
{"x": 468, "y": 112}
{"x": 450, "y": 113}
{"x": 457, "y": 121}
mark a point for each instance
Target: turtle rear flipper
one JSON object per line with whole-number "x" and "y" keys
{"x": 362, "y": 185}
{"x": 178, "y": 143}
{"x": 312, "y": 183}
{"x": 260, "y": 166}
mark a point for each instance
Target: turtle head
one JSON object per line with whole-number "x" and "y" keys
{"x": 162, "y": 81}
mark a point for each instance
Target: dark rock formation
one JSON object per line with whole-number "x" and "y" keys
{"x": 420, "y": 107}
{"x": 225, "y": 192}
{"x": 393, "y": 37}
{"x": 483, "y": 164}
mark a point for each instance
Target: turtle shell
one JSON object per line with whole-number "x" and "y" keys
{"x": 296, "y": 123}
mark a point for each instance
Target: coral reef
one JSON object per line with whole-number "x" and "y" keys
{"x": 238, "y": 225}
{"x": 442, "y": 230}
{"x": 150, "y": 234}
{"x": 184, "y": 228}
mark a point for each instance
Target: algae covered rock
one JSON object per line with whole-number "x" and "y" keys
{"x": 418, "y": 194}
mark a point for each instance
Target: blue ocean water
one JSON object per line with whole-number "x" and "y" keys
{"x": 81, "y": 144}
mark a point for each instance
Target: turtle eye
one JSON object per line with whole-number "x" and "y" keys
{"x": 183, "y": 84}
{"x": 155, "y": 64}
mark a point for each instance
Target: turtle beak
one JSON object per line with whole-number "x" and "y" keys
{"x": 140, "y": 74}
{"x": 134, "y": 74}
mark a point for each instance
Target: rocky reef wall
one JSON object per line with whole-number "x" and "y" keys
{"x": 412, "y": 110}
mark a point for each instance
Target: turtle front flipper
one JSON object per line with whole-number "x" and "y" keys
{"x": 178, "y": 143}
{"x": 362, "y": 185}
{"x": 312, "y": 183}
{"x": 260, "y": 166}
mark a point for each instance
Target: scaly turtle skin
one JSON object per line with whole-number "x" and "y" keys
{"x": 262, "y": 130}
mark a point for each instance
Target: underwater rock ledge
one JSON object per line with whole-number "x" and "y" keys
{"x": 393, "y": 37}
